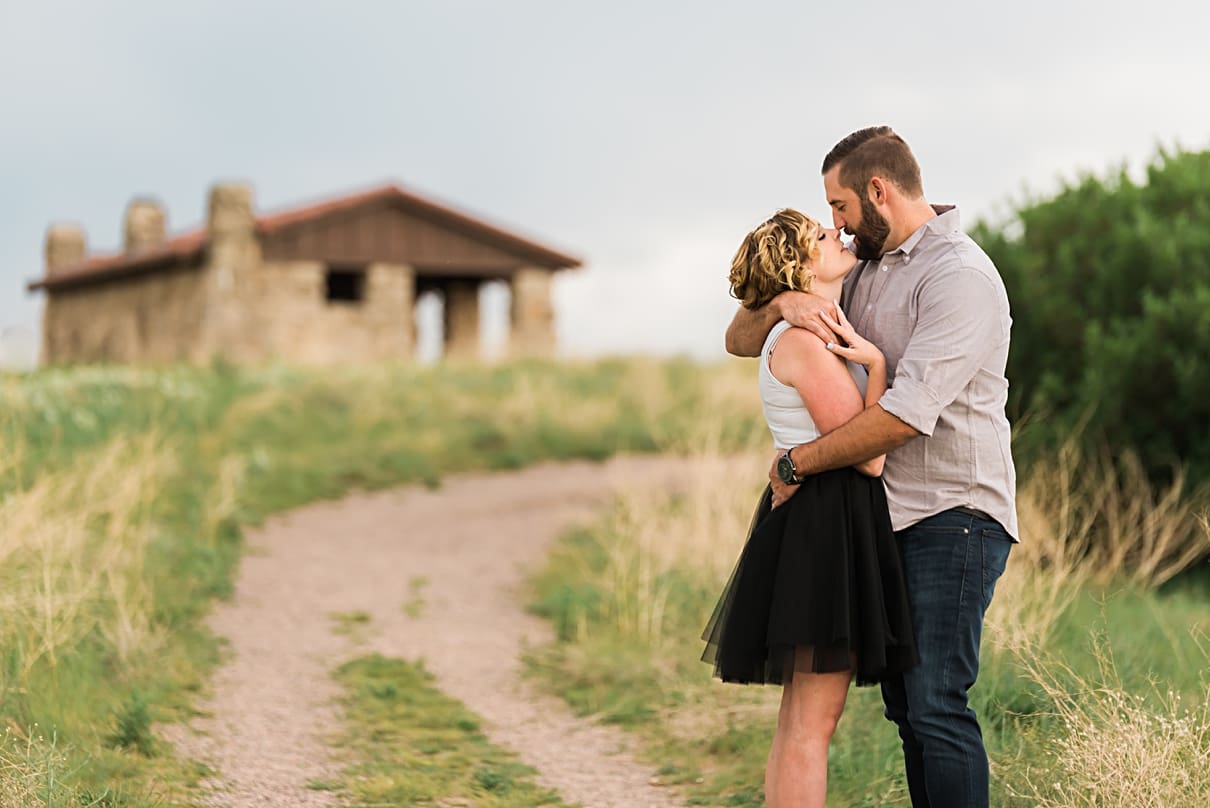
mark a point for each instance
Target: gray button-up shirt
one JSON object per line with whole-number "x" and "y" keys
{"x": 937, "y": 308}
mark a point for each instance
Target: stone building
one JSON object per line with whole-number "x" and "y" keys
{"x": 330, "y": 282}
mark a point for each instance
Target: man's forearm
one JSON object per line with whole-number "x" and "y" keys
{"x": 870, "y": 433}
{"x": 748, "y": 329}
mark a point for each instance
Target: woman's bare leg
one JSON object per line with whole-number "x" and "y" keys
{"x": 772, "y": 797}
{"x": 798, "y": 761}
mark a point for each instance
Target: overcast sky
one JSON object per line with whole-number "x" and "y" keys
{"x": 646, "y": 137}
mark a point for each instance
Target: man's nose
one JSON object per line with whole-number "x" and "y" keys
{"x": 838, "y": 221}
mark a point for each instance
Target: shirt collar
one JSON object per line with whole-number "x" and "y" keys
{"x": 946, "y": 221}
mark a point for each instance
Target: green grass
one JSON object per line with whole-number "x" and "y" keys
{"x": 216, "y": 450}
{"x": 354, "y": 625}
{"x": 414, "y": 746}
{"x": 713, "y": 739}
{"x": 414, "y": 606}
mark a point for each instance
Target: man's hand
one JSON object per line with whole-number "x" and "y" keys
{"x": 812, "y": 312}
{"x": 781, "y": 491}
{"x": 748, "y": 329}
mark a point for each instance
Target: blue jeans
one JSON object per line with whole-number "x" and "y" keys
{"x": 952, "y": 561}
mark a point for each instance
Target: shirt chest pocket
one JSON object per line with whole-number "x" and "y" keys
{"x": 893, "y": 325}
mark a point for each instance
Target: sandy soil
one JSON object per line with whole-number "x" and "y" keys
{"x": 263, "y": 729}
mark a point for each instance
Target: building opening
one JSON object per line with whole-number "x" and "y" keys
{"x": 345, "y": 285}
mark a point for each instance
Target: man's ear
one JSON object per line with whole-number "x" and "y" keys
{"x": 878, "y": 190}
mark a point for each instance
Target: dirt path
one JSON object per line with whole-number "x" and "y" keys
{"x": 471, "y": 541}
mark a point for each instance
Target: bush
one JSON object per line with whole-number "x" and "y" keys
{"x": 1109, "y": 283}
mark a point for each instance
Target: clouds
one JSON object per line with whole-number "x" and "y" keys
{"x": 644, "y": 136}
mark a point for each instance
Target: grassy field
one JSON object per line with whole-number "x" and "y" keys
{"x": 123, "y": 494}
{"x": 1095, "y": 683}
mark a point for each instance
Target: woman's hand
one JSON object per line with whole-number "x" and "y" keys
{"x": 858, "y": 349}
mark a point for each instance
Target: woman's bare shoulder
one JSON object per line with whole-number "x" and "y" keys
{"x": 799, "y": 354}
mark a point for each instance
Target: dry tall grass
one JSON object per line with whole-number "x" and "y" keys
{"x": 27, "y": 763}
{"x": 1090, "y": 520}
{"x": 699, "y": 529}
{"x": 72, "y": 547}
{"x": 1144, "y": 750}
{"x": 1093, "y": 522}
{"x": 698, "y": 532}
{"x": 73, "y": 554}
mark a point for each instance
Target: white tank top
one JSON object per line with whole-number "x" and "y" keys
{"x": 786, "y": 415}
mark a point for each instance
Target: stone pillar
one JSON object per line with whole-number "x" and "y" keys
{"x": 144, "y": 226}
{"x": 461, "y": 319}
{"x": 65, "y": 246}
{"x": 230, "y": 224}
{"x": 407, "y": 318}
{"x": 233, "y": 253}
{"x": 391, "y": 309}
{"x": 532, "y": 314}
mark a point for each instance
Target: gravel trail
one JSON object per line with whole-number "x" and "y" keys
{"x": 470, "y": 542}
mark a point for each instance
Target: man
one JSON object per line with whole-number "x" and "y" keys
{"x": 932, "y": 300}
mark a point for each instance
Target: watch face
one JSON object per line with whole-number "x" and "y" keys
{"x": 785, "y": 469}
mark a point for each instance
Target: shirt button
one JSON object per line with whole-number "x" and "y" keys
{"x": 884, "y": 269}
{"x": 869, "y": 306}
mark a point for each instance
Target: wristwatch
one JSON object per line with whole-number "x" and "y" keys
{"x": 785, "y": 469}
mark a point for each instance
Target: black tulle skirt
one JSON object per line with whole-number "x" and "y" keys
{"x": 822, "y": 570}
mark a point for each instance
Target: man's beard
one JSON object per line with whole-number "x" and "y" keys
{"x": 872, "y": 234}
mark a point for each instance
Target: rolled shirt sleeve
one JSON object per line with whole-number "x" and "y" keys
{"x": 959, "y": 324}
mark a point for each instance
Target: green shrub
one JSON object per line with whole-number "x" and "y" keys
{"x": 1109, "y": 282}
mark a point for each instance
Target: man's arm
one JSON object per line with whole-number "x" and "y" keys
{"x": 749, "y": 327}
{"x": 952, "y": 336}
{"x": 870, "y": 433}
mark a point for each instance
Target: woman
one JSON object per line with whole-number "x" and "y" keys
{"x": 818, "y": 596}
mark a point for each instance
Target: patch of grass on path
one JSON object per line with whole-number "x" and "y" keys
{"x": 413, "y": 745}
{"x": 414, "y": 606}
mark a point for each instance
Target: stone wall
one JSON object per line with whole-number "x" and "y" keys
{"x": 273, "y": 311}
{"x": 279, "y": 310}
{"x": 154, "y": 318}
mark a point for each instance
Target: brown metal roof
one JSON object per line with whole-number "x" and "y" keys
{"x": 189, "y": 246}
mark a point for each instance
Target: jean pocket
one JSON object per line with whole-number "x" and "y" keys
{"x": 996, "y": 546}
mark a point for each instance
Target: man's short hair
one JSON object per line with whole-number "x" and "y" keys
{"x": 875, "y": 152}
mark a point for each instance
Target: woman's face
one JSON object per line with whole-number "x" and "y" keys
{"x": 833, "y": 261}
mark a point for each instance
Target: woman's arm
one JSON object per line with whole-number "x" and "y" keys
{"x": 822, "y": 380}
{"x": 860, "y": 350}
{"x": 874, "y": 388}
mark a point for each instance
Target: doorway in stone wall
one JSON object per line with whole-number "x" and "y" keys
{"x": 494, "y": 301}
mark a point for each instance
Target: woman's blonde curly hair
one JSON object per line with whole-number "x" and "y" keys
{"x": 773, "y": 259}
